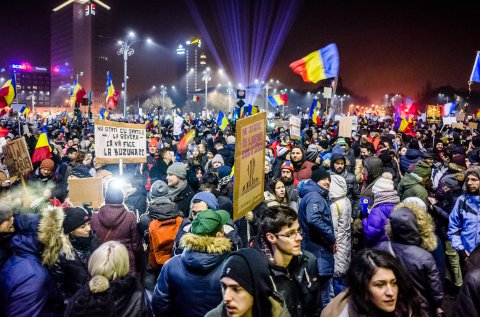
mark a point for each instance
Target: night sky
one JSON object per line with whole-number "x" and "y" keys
{"x": 384, "y": 48}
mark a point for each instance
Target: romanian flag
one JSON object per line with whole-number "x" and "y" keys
{"x": 8, "y": 92}
{"x": 185, "y": 141}
{"x": 195, "y": 98}
{"x": 42, "y": 149}
{"x": 222, "y": 121}
{"x": 104, "y": 113}
{"x": 248, "y": 111}
{"x": 313, "y": 112}
{"x": 475, "y": 76}
{"x": 111, "y": 99}
{"x": 77, "y": 93}
{"x": 6, "y": 110}
{"x": 4, "y": 132}
{"x": 276, "y": 101}
{"x": 25, "y": 110}
{"x": 321, "y": 64}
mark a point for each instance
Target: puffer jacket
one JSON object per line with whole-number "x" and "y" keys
{"x": 464, "y": 224}
{"x": 412, "y": 238}
{"x": 411, "y": 157}
{"x": 116, "y": 222}
{"x": 315, "y": 220}
{"x": 411, "y": 186}
{"x": 71, "y": 275}
{"x": 123, "y": 297}
{"x": 26, "y": 287}
{"x": 193, "y": 275}
{"x": 341, "y": 216}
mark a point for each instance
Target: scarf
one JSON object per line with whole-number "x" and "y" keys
{"x": 174, "y": 192}
{"x": 386, "y": 197}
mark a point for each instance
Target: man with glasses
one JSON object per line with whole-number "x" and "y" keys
{"x": 315, "y": 220}
{"x": 293, "y": 271}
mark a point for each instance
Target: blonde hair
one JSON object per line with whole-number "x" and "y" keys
{"x": 110, "y": 260}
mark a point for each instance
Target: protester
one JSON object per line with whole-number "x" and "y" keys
{"x": 179, "y": 191}
{"x": 6, "y": 231}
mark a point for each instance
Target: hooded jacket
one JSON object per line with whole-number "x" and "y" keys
{"x": 411, "y": 186}
{"x": 374, "y": 168}
{"x": 302, "y": 169}
{"x": 116, "y": 222}
{"x": 341, "y": 216}
{"x": 412, "y": 237}
{"x": 353, "y": 189}
{"x": 467, "y": 301}
{"x": 193, "y": 275}
{"x": 26, "y": 287}
{"x": 315, "y": 220}
{"x": 411, "y": 157}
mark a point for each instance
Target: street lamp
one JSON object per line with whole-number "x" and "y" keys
{"x": 163, "y": 91}
{"x": 206, "y": 78}
{"x": 127, "y": 51}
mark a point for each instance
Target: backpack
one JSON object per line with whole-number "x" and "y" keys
{"x": 162, "y": 237}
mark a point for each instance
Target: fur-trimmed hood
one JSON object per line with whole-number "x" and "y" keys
{"x": 50, "y": 234}
{"x": 409, "y": 224}
{"x": 204, "y": 254}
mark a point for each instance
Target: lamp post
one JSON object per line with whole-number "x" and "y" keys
{"x": 267, "y": 87}
{"x": 206, "y": 78}
{"x": 163, "y": 91}
{"x": 126, "y": 50}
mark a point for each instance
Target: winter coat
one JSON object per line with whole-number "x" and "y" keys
{"x": 116, "y": 222}
{"x": 411, "y": 157}
{"x": 374, "y": 224}
{"x": 464, "y": 225}
{"x": 315, "y": 220}
{"x": 183, "y": 200}
{"x": 5, "y": 249}
{"x": 53, "y": 182}
{"x": 353, "y": 189}
{"x": 467, "y": 303}
{"x": 297, "y": 283}
{"x": 189, "y": 284}
{"x": 412, "y": 238}
{"x": 158, "y": 171}
{"x": 374, "y": 167}
{"x": 341, "y": 210}
{"x": 340, "y": 307}
{"x": 71, "y": 275}
{"x": 228, "y": 156}
{"x": 304, "y": 171}
{"x": 411, "y": 186}
{"x": 136, "y": 201}
{"x": 442, "y": 209}
{"x": 26, "y": 287}
{"x": 122, "y": 297}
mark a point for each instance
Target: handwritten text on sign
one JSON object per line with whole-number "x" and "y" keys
{"x": 114, "y": 141}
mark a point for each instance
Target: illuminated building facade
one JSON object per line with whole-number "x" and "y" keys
{"x": 192, "y": 61}
{"x": 80, "y": 45}
{"x": 33, "y": 83}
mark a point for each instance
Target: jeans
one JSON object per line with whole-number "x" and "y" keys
{"x": 338, "y": 285}
{"x": 325, "y": 293}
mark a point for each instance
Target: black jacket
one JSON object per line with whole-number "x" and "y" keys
{"x": 183, "y": 200}
{"x": 71, "y": 275}
{"x": 467, "y": 301}
{"x": 159, "y": 171}
{"x": 137, "y": 201}
{"x": 123, "y": 298}
{"x": 5, "y": 249}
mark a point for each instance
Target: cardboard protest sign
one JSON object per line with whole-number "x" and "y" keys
{"x": 249, "y": 175}
{"x": 327, "y": 92}
{"x": 86, "y": 190}
{"x": 118, "y": 140}
{"x": 449, "y": 120}
{"x": 345, "y": 127}
{"x": 458, "y": 125}
{"x": 295, "y": 126}
{"x": 17, "y": 158}
{"x": 460, "y": 116}
{"x": 473, "y": 125}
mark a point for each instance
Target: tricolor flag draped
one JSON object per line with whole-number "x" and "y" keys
{"x": 185, "y": 141}
{"x": 222, "y": 121}
{"x": 77, "y": 93}
{"x": 195, "y": 98}
{"x": 475, "y": 76}
{"x": 8, "y": 92}
{"x": 313, "y": 112}
{"x": 321, "y": 64}
{"x": 111, "y": 99}
{"x": 277, "y": 100}
{"x": 42, "y": 149}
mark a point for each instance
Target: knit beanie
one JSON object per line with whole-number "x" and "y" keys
{"x": 114, "y": 195}
{"x": 422, "y": 169}
{"x": 178, "y": 169}
{"x": 153, "y": 142}
{"x": 312, "y": 153}
{"x": 208, "y": 198}
{"x": 384, "y": 183}
{"x": 224, "y": 171}
{"x": 287, "y": 165}
{"x": 159, "y": 189}
{"x": 459, "y": 160}
{"x": 75, "y": 217}
{"x": 230, "y": 139}
{"x": 209, "y": 222}
{"x": 47, "y": 164}
{"x": 218, "y": 158}
{"x": 319, "y": 173}
{"x": 281, "y": 151}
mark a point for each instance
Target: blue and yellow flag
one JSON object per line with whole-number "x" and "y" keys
{"x": 222, "y": 121}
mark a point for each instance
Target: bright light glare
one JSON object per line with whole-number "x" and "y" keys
{"x": 131, "y": 34}
{"x": 149, "y": 41}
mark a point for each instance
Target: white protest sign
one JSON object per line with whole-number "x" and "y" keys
{"x": 449, "y": 120}
{"x": 345, "y": 127}
{"x": 327, "y": 92}
{"x": 177, "y": 125}
{"x": 117, "y": 140}
{"x": 295, "y": 125}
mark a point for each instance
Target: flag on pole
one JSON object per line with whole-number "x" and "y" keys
{"x": 321, "y": 64}
{"x": 276, "y": 101}
{"x": 111, "y": 95}
{"x": 104, "y": 113}
{"x": 195, "y": 98}
{"x": 313, "y": 112}
{"x": 77, "y": 92}
{"x": 185, "y": 141}
{"x": 8, "y": 92}
{"x": 475, "y": 76}
{"x": 42, "y": 149}
{"x": 25, "y": 110}
{"x": 222, "y": 121}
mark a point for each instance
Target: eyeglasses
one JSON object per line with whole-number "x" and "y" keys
{"x": 290, "y": 235}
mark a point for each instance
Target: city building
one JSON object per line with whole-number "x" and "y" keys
{"x": 191, "y": 62}
{"x": 33, "y": 83}
{"x": 81, "y": 44}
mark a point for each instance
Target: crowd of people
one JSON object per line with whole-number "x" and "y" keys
{"x": 377, "y": 224}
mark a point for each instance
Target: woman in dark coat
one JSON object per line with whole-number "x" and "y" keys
{"x": 6, "y": 232}
{"x": 71, "y": 275}
{"x": 115, "y": 222}
{"x": 111, "y": 292}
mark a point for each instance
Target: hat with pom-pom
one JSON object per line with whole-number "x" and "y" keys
{"x": 384, "y": 183}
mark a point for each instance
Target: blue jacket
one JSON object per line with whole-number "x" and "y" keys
{"x": 189, "y": 284}
{"x": 464, "y": 223}
{"x": 374, "y": 224}
{"x": 411, "y": 157}
{"x": 315, "y": 221}
{"x": 26, "y": 287}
